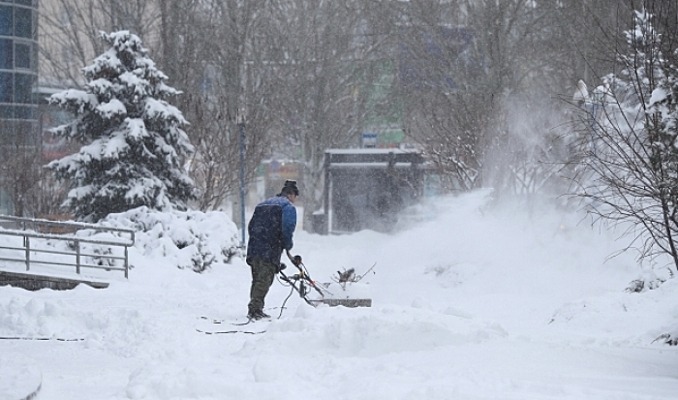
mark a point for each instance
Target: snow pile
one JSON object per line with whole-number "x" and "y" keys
{"x": 28, "y": 316}
{"x": 348, "y": 290}
{"x": 36, "y": 316}
{"x": 18, "y": 378}
{"x": 630, "y": 318}
{"x": 365, "y": 332}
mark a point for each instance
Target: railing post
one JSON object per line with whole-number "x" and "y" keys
{"x": 126, "y": 263}
{"x": 77, "y": 256}
{"x": 27, "y": 242}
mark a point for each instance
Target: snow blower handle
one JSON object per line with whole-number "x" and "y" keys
{"x": 303, "y": 273}
{"x": 296, "y": 260}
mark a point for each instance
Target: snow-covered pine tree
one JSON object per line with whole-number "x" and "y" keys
{"x": 133, "y": 142}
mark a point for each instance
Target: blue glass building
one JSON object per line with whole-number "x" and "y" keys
{"x": 18, "y": 77}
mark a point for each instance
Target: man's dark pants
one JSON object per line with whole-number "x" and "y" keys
{"x": 263, "y": 273}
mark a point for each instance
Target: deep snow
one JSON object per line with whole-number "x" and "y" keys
{"x": 470, "y": 301}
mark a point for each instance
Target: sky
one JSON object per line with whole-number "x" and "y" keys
{"x": 471, "y": 300}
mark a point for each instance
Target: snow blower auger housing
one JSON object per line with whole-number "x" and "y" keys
{"x": 309, "y": 290}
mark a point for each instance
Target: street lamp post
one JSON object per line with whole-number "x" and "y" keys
{"x": 241, "y": 140}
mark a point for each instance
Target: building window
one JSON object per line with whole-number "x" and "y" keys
{"x": 6, "y": 21}
{"x": 17, "y": 112}
{"x": 18, "y": 67}
{"x": 22, "y": 56}
{"x": 6, "y": 56}
{"x": 6, "y": 87}
{"x": 24, "y": 22}
{"x": 23, "y": 88}
{"x": 6, "y": 112}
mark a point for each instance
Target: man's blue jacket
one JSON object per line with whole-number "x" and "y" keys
{"x": 271, "y": 229}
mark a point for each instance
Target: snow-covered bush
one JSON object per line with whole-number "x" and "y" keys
{"x": 629, "y": 172}
{"x": 650, "y": 279}
{"x": 185, "y": 239}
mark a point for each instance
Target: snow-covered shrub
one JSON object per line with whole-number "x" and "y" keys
{"x": 650, "y": 280}
{"x": 187, "y": 239}
{"x": 669, "y": 338}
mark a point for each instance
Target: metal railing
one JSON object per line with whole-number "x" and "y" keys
{"x": 38, "y": 237}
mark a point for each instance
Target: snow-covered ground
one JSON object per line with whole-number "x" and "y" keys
{"x": 469, "y": 302}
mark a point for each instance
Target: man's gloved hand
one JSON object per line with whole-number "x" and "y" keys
{"x": 296, "y": 260}
{"x": 281, "y": 267}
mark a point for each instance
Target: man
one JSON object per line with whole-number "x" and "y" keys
{"x": 270, "y": 232}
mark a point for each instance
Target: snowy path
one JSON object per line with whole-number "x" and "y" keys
{"x": 502, "y": 309}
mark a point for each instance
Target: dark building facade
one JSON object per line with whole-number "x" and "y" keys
{"x": 19, "y": 117}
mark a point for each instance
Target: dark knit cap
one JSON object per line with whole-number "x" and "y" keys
{"x": 290, "y": 187}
